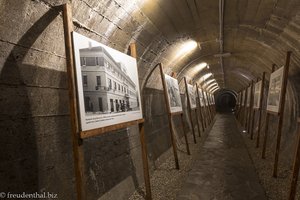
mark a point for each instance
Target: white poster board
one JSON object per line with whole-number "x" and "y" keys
{"x": 275, "y": 87}
{"x": 192, "y": 96}
{"x": 107, "y": 84}
{"x": 257, "y": 95}
{"x": 173, "y": 94}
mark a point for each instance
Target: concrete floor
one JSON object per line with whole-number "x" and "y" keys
{"x": 223, "y": 169}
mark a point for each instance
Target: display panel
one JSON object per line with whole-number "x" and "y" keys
{"x": 107, "y": 84}
{"x": 173, "y": 94}
{"x": 275, "y": 86}
{"x": 257, "y": 95}
{"x": 201, "y": 97}
{"x": 192, "y": 96}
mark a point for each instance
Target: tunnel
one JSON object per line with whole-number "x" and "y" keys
{"x": 218, "y": 147}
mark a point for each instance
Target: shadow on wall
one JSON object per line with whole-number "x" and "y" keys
{"x": 35, "y": 148}
{"x": 112, "y": 161}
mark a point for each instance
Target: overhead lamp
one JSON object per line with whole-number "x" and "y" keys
{"x": 208, "y": 82}
{"x": 205, "y": 76}
{"x": 186, "y": 47}
{"x": 212, "y": 85}
{"x": 214, "y": 90}
{"x": 200, "y": 66}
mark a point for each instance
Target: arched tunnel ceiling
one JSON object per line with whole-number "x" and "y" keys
{"x": 257, "y": 34}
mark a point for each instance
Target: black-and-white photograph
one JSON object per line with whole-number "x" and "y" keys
{"x": 257, "y": 95}
{"x": 173, "y": 94}
{"x": 192, "y": 96}
{"x": 275, "y": 87}
{"x": 107, "y": 83}
{"x": 201, "y": 97}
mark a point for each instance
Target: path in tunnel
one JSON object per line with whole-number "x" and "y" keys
{"x": 223, "y": 169}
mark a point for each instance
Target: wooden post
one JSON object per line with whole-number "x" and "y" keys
{"x": 185, "y": 136}
{"x": 169, "y": 116}
{"x": 190, "y": 109}
{"x": 133, "y": 53}
{"x": 263, "y": 156}
{"x": 77, "y": 142}
{"x": 250, "y": 110}
{"x": 281, "y": 111}
{"x": 145, "y": 162}
{"x": 295, "y": 175}
{"x": 260, "y": 108}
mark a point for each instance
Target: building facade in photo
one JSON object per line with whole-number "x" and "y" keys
{"x": 107, "y": 87}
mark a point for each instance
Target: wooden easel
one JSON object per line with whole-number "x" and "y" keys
{"x": 259, "y": 110}
{"x": 296, "y": 166}
{"x": 170, "y": 119}
{"x": 189, "y": 108}
{"x": 200, "y": 109}
{"x": 77, "y": 135}
{"x": 280, "y": 114}
{"x": 250, "y": 111}
{"x": 263, "y": 155}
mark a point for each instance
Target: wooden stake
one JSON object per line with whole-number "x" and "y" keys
{"x": 281, "y": 111}
{"x": 133, "y": 53}
{"x": 295, "y": 175}
{"x": 145, "y": 161}
{"x": 77, "y": 142}
{"x": 169, "y": 117}
{"x": 190, "y": 109}
{"x": 260, "y": 109}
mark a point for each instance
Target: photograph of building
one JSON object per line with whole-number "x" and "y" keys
{"x": 173, "y": 94}
{"x": 275, "y": 90}
{"x": 192, "y": 96}
{"x": 107, "y": 84}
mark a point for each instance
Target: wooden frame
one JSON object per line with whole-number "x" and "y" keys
{"x": 263, "y": 155}
{"x": 260, "y": 108}
{"x": 200, "y": 109}
{"x": 296, "y": 166}
{"x": 280, "y": 113}
{"x": 77, "y": 137}
{"x": 189, "y": 108}
{"x": 170, "y": 119}
{"x": 250, "y": 110}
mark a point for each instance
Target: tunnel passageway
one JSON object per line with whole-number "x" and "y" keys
{"x": 223, "y": 169}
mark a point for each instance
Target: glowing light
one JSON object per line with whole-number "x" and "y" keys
{"x": 205, "y": 76}
{"x": 214, "y": 90}
{"x": 212, "y": 85}
{"x": 207, "y": 66}
{"x": 200, "y": 66}
{"x": 209, "y": 82}
{"x": 186, "y": 48}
